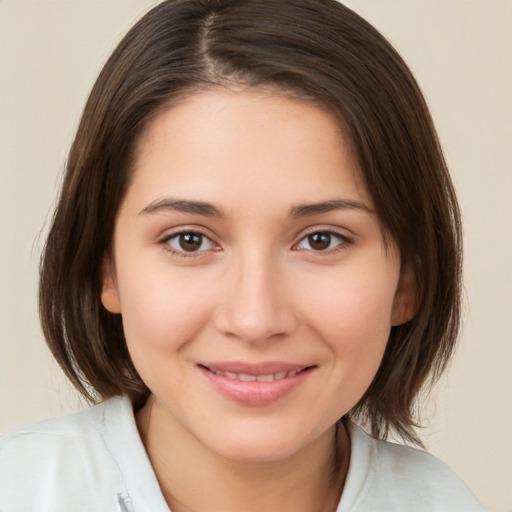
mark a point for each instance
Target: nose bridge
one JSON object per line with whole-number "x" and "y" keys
{"x": 256, "y": 305}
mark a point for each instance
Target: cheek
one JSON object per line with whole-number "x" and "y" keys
{"x": 353, "y": 308}
{"x": 353, "y": 314}
{"x": 353, "y": 321}
{"x": 162, "y": 310}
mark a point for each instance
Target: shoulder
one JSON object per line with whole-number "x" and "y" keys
{"x": 64, "y": 460}
{"x": 395, "y": 477}
{"x": 61, "y": 435}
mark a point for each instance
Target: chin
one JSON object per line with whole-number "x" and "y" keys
{"x": 259, "y": 444}
{"x": 259, "y": 452}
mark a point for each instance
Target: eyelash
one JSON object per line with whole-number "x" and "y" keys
{"x": 342, "y": 245}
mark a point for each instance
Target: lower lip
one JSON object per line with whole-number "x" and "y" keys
{"x": 255, "y": 392}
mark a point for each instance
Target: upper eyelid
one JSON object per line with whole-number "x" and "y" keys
{"x": 164, "y": 239}
{"x": 204, "y": 237}
{"x": 341, "y": 232}
{"x": 343, "y": 237}
{"x": 324, "y": 231}
{"x": 198, "y": 230}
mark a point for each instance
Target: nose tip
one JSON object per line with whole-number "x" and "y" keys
{"x": 250, "y": 329}
{"x": 256, "y": 308}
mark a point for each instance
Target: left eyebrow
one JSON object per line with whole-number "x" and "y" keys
{"x": 184, "y": 206}
{"x": 304, "y": 210}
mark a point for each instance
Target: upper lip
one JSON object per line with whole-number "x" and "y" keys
{"x": 265, "y": 368}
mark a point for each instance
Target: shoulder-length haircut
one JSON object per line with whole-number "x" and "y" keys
{"x": 318, "y": 50}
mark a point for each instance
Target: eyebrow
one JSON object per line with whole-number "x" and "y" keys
{"x": 184, "y": 206}
{"x": 304, "y": 210}
{"x": 209, "y": 210}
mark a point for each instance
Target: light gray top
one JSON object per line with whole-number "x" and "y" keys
{"x": 94, "y": 460}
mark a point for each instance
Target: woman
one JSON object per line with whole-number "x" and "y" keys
{"x": 261, "y": 245}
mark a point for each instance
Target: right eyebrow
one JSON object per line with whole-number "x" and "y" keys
{"x": 183, "y": 206}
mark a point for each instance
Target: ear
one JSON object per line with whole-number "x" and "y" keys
{"x": 109, "y": 294}
{"x": 405, "y": 303}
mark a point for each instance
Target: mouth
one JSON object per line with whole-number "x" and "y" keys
{"x": 250, "y": 373}
{"x": 255, "y": 384}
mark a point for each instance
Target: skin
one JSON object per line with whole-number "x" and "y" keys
{"x": 256, "y": 289}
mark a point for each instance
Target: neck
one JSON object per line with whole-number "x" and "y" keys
{"x": 192, "y": 478}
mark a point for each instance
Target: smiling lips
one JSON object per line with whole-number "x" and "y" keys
{"x": 246, "y": 377}
{"x": 255, "y": 384}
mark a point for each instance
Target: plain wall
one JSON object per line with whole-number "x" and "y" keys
{"x": 461, "y": 54}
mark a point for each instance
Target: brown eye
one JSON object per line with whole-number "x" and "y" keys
{"x": 189, "y": 241}
{"x": 319, "y": 241}
{"x": 322, "y": 241}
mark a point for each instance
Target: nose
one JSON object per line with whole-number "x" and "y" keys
{"x": 257, "y": 305}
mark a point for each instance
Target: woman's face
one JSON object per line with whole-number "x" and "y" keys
{"x": 249, "y": 268}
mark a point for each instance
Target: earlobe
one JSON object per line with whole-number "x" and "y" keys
{"x": 109, "y": 294}
{"x": 405, "y": 303}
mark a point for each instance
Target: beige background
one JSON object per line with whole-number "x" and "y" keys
{"x": 461, "y": 53}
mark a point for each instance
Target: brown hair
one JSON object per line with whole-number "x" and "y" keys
{"x": 317, "y": 49}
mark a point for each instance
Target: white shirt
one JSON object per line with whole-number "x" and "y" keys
{"x": 94, "y": 461}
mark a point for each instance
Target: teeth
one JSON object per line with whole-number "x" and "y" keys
{"x": 246, "y": 377}
{"x": 265, "y": 378}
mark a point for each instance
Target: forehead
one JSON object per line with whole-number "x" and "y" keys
{"x": 246, "y": 144}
